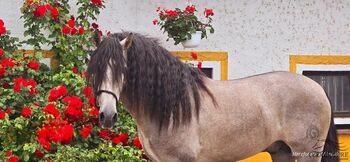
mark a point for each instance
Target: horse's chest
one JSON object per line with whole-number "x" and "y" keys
{"x": 147, "y": 147}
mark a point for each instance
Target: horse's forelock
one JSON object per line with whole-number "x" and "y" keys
{"x": 109, "y": 54}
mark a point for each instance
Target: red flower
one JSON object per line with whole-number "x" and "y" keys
{"x": 8, "y": 153}
{"x": 8, "y": 110}
{"x": 194, "y": 55}
{"x": 40, "y": 11}
{"x": 57, "y": 92}
{"x": 190, "y": 9}
{"x": 5, "y": 85}
{"x": 67, "y": 133}
{"x": 208, "y": 12}
{"x": 171, "y": 13}
{"x": 33, "y": 65}
{"x": 51, "y": 109}
{"x": 137, "y": 143}
{"x": 116, "y": 140}
{"x": 48, "y": 6}
{"x": 39, "y": 153}
{"x": 199, "y": 66}
{"x": 87, "y": 91}
{"x": 94, "y": 25}
{"x": 13, "y": 159}
{"x": 66, "y": 30}
{"x": 85, "y": 132}
{"x": 7, "y": 62}
{"x": 74, "y": 31}
{"x": 1, "y": 52}
{"x": 71, "y": 23}
{"x": 93, "y": 112}
{"x": 105, "y": 134}
{"x": 54, "y": 13}
{"x": 155, "y": 22}
{"x": 2, "y": 30}
{"x": 2, "y": 114}
{"x": 75, "y": 70}
{"x": 2, "y": 71}
{"x": 96, "y": 2}
{"x": 81, "y": 30}
{"x": 1, "y": 22}
{"x": 92, "y": 101}
{"x": 26, "y": 112}
{"x": 124, "y": 137}
{"x": 74, "y": 110}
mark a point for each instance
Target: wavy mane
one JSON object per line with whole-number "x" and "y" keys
{"x": 156, "y": 83}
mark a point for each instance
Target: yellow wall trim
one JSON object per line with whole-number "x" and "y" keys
{"x": 314, "y": 60}
{"x": 222, "y": 57}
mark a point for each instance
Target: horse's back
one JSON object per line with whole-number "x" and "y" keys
{"x": 256, "y": 111}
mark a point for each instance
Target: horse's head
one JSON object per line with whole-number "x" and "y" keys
{"x": 106, "y": 73}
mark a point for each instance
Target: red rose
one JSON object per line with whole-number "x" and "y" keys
{"x": 75, "y": 70}
{"x": 2, "y": 71}
{"x": 40, "y": 11}
{"x": 81, "y": 30}
{"x": 94, "y": 25}
{"x": 171, "y": 13}
{"x": 2, "y": 30}
{"x": 33, "y": 65}
{"x": 51, "y": 109}
{"x": 66, "y": 30}
{"x": 48, "y": 6}
{"x": 199, "y": 66}
{"x": 67, "y": 133}
{"x": 54, "y": 13}
{"x": 116, "y": 140}
{"x": 96, "y": 2}
{"x": 87, "y": 91}
{"x": 8, "y": 110}
{"x": 7, "y": 62}
{"x": 8, "y": 153}
{"x": 39, "y": 153}
{"x": 93, "y": 112}
{"x": 26, "y": 112}
{"x": 124, "y": 137}
{"x": 71, "y": 23}
{"x": 13, "y": 159}
{"x": 92, "y": 101}
{"x": 1, "y": 52}
{"x": 74, "y": 31}
{"x": 104, "y": 134}
{"x": 5, "y": 85}
{"x": 194, "y": 55}
{"x": 1, "y": 22}
{"x": 2, "y": 114}
{"x": 85, "y": 132}
{"x": 57, "y": 93}
{"x": 190, "y": 9}
{"x": 155, "y": 22}
{"x": 137, "y": 143}
{"x": 208, "y": 12}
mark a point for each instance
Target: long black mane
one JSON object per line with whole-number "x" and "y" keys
{"x": 156, "y": 83}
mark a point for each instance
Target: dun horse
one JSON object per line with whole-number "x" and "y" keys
{"x": 183, "y": 116}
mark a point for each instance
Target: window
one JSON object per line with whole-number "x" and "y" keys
{"x": 337, "y": 86}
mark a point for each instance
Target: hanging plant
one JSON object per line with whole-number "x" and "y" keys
{"x": 181, "y": 24}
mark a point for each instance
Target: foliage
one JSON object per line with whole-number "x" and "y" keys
{"x": 50, "y": 114}
{"x": 180, "y": 24}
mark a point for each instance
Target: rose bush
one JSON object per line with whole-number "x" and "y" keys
{"x": 49, "y": 114}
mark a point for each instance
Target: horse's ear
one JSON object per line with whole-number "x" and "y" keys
{"x": 126, "y": 43}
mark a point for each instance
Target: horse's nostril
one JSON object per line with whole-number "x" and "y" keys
{"x": 102, "y": 116}
{"x": 115, "y": 117}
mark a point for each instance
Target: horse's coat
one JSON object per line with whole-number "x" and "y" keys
{"x": 278, "y": 112}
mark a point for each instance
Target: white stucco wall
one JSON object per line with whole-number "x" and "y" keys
{"x": 258, "y": 34}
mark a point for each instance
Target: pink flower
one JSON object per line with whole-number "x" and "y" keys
{"x": 155, "y": 22}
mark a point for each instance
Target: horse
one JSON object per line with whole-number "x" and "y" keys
{"x": 183, "y": 116}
